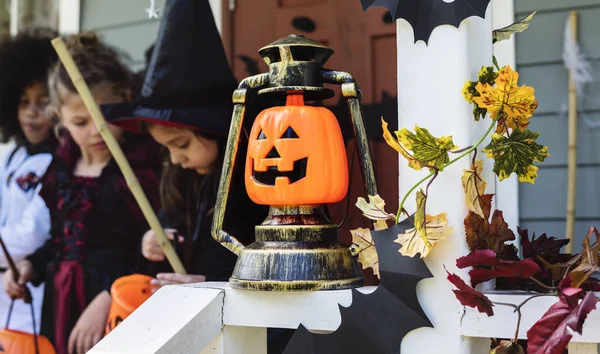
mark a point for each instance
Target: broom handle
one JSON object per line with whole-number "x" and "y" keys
{"x": 117, "y": 153}
{"x": 572, "y": 149}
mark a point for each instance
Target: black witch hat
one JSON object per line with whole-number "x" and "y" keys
{"x": 188, "y": 82}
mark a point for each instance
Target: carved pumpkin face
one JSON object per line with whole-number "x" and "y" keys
{"x": 12, "y": 341}
{"x": 296, "y": 156}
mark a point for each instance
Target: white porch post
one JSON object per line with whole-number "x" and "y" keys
{"x": 430, "y": 79}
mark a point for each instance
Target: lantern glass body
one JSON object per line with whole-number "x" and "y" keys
{"x": 296, "y": 156}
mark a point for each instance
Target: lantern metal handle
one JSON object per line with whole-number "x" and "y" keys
{"x": 240, "y": 97}
{"x": 352, "y": 94}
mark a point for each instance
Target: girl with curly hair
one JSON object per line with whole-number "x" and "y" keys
{"x": 24, "y": 218}
{"x": 97, "y": 225}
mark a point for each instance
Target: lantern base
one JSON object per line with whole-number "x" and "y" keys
{"x": 306, "y": 285}
{"x": 296, "y": 249}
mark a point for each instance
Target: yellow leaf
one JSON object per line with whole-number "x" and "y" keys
{"x": 389, "y": 139}
{"x": 516, "y": 103}
{"x": 474, "y": 187}
{"x": 367, "y": 253}
{"x": 419, "y": 217}
{"x": 412, "y": 242}
{"x": 375, "y": 210}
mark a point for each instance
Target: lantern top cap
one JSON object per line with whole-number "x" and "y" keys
{"x": 301, "y": 47}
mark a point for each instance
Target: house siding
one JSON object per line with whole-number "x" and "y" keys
{"x": 122, "y": 24}
{"x": 539, "y": 61}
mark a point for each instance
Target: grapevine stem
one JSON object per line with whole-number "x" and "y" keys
{"x": 434, "y": 171}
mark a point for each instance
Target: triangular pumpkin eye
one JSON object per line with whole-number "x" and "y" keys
{"x": 261, "y": 135}
{"x": 289, "y": 134}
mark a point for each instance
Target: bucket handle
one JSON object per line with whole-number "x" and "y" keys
{"x": 10, "y": 309}
{"x": 28, "y": 298}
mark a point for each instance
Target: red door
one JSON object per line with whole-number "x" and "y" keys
{"x": 364, "y": 45}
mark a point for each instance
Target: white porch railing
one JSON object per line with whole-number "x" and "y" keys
{"x": 503, "y": 323}
{"x": 213, "y": 318}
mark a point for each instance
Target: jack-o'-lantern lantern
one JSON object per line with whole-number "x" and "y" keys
{"x": 296, "y": 156}
{"x": 296, "y": 163}
{"x": 17, "y": 342}
{"x": 128, "y": 293}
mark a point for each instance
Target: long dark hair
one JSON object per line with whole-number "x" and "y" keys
{"x": 182, "y": 191}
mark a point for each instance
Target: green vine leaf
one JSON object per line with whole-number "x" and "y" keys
{"x": 394, "y": 144}
{"x": 516, "y": 154}
{"x": 428, "y": 150}
{"x": 505, "y": 33}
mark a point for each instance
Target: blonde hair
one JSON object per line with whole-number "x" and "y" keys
{"x": 98, "y": 63}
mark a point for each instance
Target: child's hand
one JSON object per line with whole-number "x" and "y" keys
{"x": 90, "y": 326}
{"x": 15, "y": 289}
{"x": 175, "y": 278}
{"x": 150, "y": 248}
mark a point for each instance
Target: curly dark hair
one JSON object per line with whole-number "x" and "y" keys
{"x": 24, "y": 60}
{"x": 97, "y": 62}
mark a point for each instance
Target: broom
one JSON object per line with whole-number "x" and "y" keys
{"x": 117, "y": 153}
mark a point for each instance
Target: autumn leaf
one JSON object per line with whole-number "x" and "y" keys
{"x": 474, "y": 187}
{"x": 470, "y": 297}
{"x": 412, "y": 242}
{"x": 427, "y": 149}
{"x": 494, "y": 267}
{"x": 507, "y": 347}
{"x": 547, "y": 247}
{"x": 365, "y": 248}
{"x": 389, "y": 139}
{"x": 486, "y": 75}
{"x": 484, "y": 235}
{"x": 551, "y": 334}
{"x": 375, "y": 210}
{"x": 505, "y": 33}
{"x": 516, "y": 154}
{"x": 420, "y": 217}
{"x": 589, "y": 260}
{"x": 516, "y": 104}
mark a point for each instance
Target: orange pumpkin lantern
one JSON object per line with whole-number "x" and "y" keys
{"x": 128, "y": 293}
{"x": 296, "y": 156}
{"x": 17, "y": 342}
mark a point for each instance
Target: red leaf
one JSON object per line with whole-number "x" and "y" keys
{"x": 494, "y": 267}
{"x": 552, "y": 333}
{"x": 482, "y": 234}
{"x": 542, "y": 245}
{"x": 468, "y": 296}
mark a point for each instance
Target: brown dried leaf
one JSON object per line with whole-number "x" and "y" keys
{"x": 375, "y": 210}
{"x": 367, "y": 253}
{"x": 474, "y": 187}
{"x": 413, "y": 242}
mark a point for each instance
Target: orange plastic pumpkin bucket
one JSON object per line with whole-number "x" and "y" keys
{"x": 127, "y": 293}
{"x": 18, "y": 342}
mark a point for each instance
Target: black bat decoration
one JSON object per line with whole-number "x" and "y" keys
{"x": 375, "y": 323}
{"x": 425, "y": 15}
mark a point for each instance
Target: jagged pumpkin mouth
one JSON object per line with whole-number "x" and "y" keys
{"x": 269, "y": 176}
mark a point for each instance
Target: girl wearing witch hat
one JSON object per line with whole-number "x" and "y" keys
{"x": 185, "y": 105}
{"x": 24, "y": 218}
